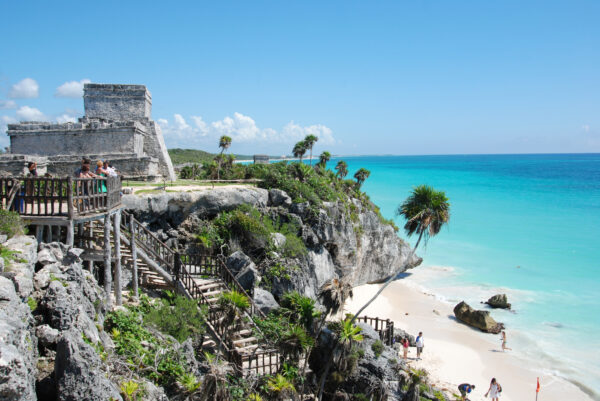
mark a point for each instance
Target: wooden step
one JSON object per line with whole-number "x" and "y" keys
{"x": 244, "y": 341}
{"x": 248, "y": 349}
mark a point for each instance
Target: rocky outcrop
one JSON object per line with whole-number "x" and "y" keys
{"x": 264, "y": 300}
{"x": 18, "y": 343}
{"x": 206, "y": 203}
{"x": 79, "y": 371}
{"x": 18, "y": 346}
{"x": 498, "y": 301}
{"x": 343, "y": 241}
{"x": 477, "y": 318}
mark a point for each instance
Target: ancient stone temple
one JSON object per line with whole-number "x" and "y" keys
{"x": 117, "y": 127}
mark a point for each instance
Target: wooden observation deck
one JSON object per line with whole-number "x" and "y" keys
{"x": 52, "y": 204}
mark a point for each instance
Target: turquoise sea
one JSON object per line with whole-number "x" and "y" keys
{"x": 526, "y": 225}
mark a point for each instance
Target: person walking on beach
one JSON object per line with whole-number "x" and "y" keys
{"x": 494, "y": 390}
{"x": 465, "y": 389}
{"x": 420, "y": 344}
{"x": 405, "y": 345}
{"x": 504, "y": 347}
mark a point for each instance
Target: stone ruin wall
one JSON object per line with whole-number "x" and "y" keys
{"x": 117, "y": 126}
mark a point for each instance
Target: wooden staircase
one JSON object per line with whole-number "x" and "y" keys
{"x": 204, "y": 278}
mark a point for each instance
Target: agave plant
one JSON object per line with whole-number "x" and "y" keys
{"x": 281, "y": 386}
{"x": 232, "y": 305}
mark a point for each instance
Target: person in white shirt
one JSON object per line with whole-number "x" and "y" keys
{"x": 110, "y": 170}
{"x": 420, "y": 344}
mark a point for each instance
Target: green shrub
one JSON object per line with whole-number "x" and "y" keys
{"x": 32, "y": 303}
{"x": 11, "y": 223}
{"x": 181, "y": 319}
{"x": 377, "y": 348}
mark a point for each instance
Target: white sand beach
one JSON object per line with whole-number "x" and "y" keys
{"x": 455, "y": 353}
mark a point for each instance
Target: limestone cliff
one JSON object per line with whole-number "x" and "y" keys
{"x": 356, "y": 246}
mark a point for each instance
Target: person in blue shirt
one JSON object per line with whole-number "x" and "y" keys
{"x": 465, "y": 389}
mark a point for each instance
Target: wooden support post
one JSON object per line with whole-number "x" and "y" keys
{"x": 81, "y": 234}
{"x": 134, "y": 257}
{"x": 39, "y": 233}
{"x": 48, "y": 234}
{"x": 117, "y": 240}
{"x": 107, "y": 266}
{"x": 70, "y": 233}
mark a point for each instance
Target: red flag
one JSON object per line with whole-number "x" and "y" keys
{"x": 537, "y": 390}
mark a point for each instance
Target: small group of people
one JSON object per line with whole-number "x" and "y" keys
{"x": 103, "y": 169}
{"x": 419, "y": 342}
{"x": 493, "y": 392}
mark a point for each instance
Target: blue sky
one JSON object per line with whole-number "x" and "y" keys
{"x": 414, "y": 77}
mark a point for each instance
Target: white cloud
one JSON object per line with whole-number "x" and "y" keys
{"x": 585, "y": 128}
{"x": 7, "y": 104}
{"x": 66, "y": 118}
{"x": 28, "y": 88}
{"x": 242, "y": 129}
{"x": 71, "y": 89}
{"x": 180, "y": 123}
{"x": 26, "y": 113}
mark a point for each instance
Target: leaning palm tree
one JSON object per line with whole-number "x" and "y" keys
{"x": 323, "y": 159}
{"x": 361, "y": 175}
{"x": 333, "y": 295}
{"x": 348, "y": 335}
{"x": 299, "y": 150}
{"x": 426, "y": 211}
{"x": 342, "y": 169}
{"x": 310, "y": 141}
{"x": 224, "y": 144}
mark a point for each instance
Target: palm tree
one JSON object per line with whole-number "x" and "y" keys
{"x": 342, "y": 169}
{"x": 302, "y": 171}
{"x": 299, "y": 150}
{"x": 224, "y": 144}
{"x": 361, "y": 175}
{"x": 426, "y": 211}
{"x": 333, "y": 295}
{"x": 323, "y": 159}
{"x": 294, "y": 342}
{"x": 310, "y": 141}
{"x": 348, "y": 335}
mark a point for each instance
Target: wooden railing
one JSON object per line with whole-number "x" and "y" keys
{"x": 185, "y": 269}
{"x": 68, "y": 197}
{"x": 385, "y": 328}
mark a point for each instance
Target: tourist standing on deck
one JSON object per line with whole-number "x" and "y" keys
{"x": 32, "y": 167}
{"x": 420, "y": 344}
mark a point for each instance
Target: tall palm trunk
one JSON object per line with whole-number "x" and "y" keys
{"x": 311, "y": 156}
{"x": 219, "y": 169}
{"x": 389, "y": 280}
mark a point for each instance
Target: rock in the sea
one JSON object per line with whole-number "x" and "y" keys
{"x": 477, "y": 318}
{"x": 237, "y": 261}
{"x": 78, "y": 371}
{"x": 265, "y": 300}
{"x": 498, "y": 301}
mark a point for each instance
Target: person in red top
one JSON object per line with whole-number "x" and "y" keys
{"x": 405, "y": 345}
